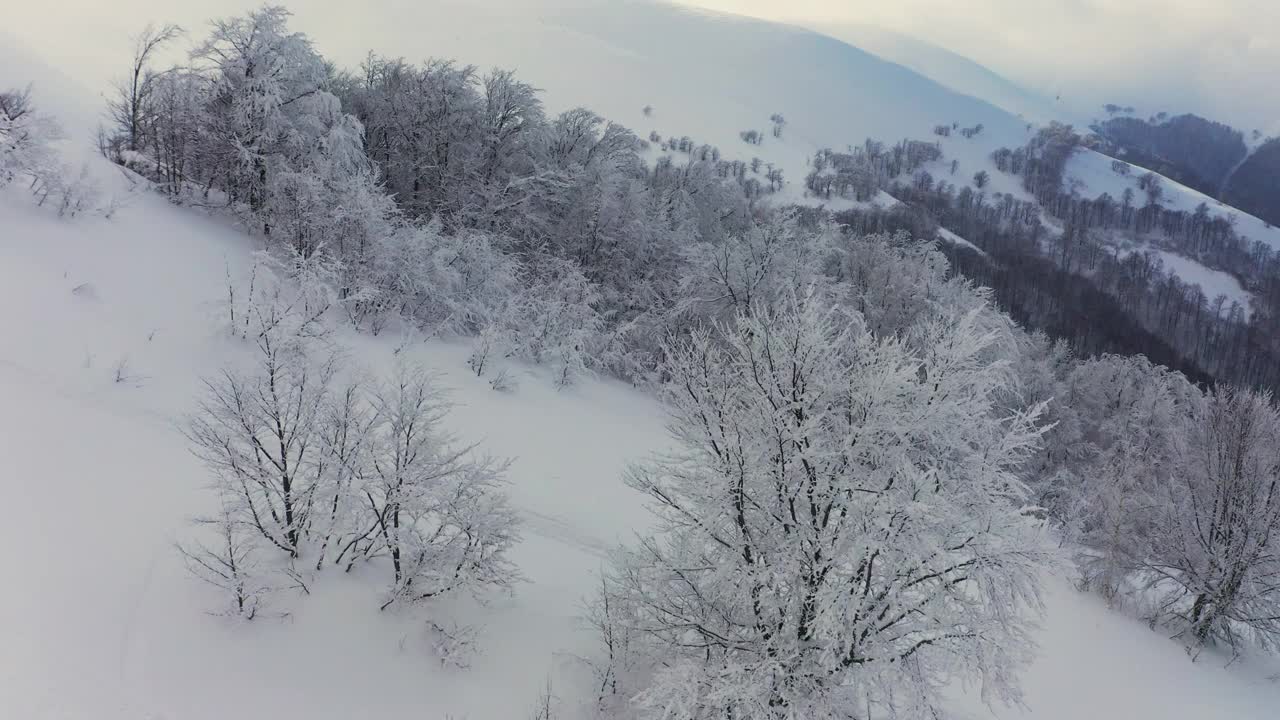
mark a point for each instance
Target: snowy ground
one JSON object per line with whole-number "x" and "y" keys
{"x": 99, "y": 485}
{"x": 1212, "y": 282}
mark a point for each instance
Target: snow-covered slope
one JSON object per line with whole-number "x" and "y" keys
{"x": 100, "y": 620}
{"x": 952, "y": 70}
{"x": 1091, "y": 174}
{"x": 100, "y": 484}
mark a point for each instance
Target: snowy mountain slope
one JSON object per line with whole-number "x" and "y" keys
{"x": 109, "y": 626}
{"x": 99, "y": 463}
{"x": 112, "y": 627}
{"x": 1212, "y": 282}
{"x": 1091, "y": 173}
{"x": 950, "y": 69}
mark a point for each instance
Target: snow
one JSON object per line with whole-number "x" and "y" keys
{"x": 101, "y": 621}
{"x": 107, "y": 625}
{"x": 951, "y": 237}
{"x": 99, "y": 465}
{"x": 1092, "y": 171}
{"x": 951, "y": 70}
{"x": 1097, "y": 663}
{"x": 1212, "y": 282}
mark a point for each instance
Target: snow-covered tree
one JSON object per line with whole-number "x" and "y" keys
{"x": 840, "y": 526}
{"x": 1130, "y": 413}
{"x": 1215, "y": 548}
{"x": 432, "y": 507}
{"x": 772, "y": 260}
{"x": 258, "y": 434}
{"x": 131, "y": 108}
{"x": 26, "y": 138}
{"x": 268, "y": 111}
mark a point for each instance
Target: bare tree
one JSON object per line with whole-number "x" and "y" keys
{"x": 432, "y": 507}
{"x": 258, "y": 433}
{"x": 129, "y": 108}
{"x": 230, "y": 564}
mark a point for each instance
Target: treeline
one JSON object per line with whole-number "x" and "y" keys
{"x": 1209, "y": 156}
{"x": 864, "y": 170}
{"x": 442, "y": 196}
{"x": 1034, "y": 289}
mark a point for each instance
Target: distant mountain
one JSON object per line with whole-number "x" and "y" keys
{"x": 951, "y": 69}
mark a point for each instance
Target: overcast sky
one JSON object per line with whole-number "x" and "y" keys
{"x": 1220, "y": 58}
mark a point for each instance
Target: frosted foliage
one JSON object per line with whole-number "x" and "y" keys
{"x": 1215, "y": 552}
{"x": 838, "y": 528}
{"x": 25, "y": 138}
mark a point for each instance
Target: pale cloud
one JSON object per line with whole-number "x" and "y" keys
{"x": 1220, "y": 58}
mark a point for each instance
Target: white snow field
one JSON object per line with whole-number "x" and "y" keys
{"x": 100, "y": 621}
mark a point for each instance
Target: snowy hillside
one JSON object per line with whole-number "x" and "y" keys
{"x": 951, "y": 70}
{"x": 1093, "y": 175}
{"x": 113, "y": 321}
{"x": 95, "y": 386}
{"x": 104, "y": 486}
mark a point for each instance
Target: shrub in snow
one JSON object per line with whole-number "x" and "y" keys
{"x": 839, "y": 525}
{"x": 325, "y": 475}
{"x": 230, "y": 563}
{"x": 26, "y": 151}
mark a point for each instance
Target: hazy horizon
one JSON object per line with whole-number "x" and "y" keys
{"x": 1218, "y": 59}
{"x": 1214, "y": 60}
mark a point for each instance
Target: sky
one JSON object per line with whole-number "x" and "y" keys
{"x": 1218, "y": 58}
